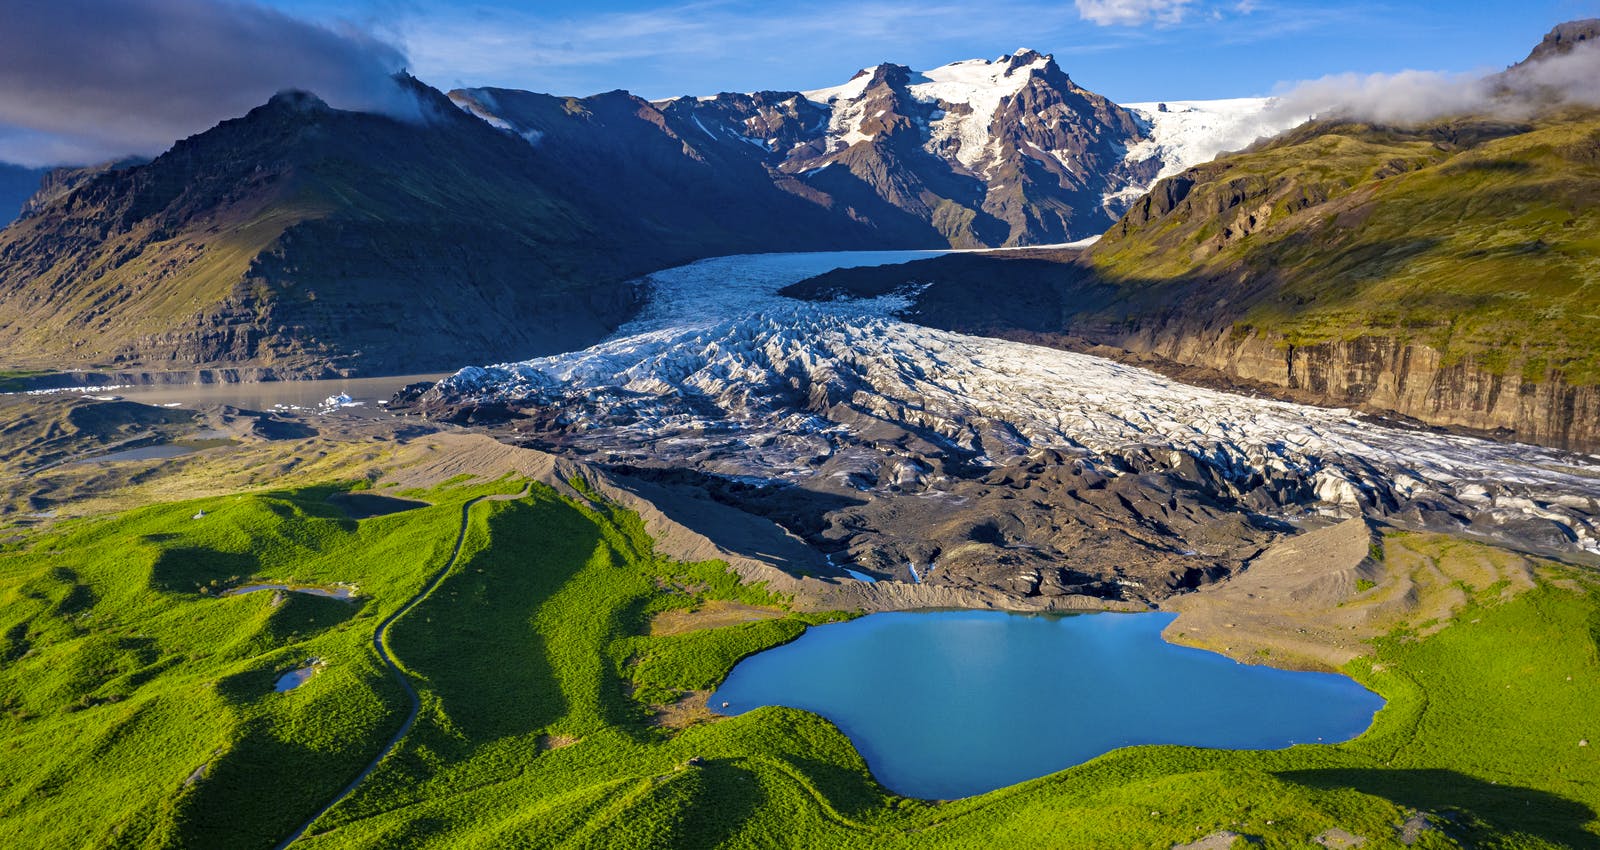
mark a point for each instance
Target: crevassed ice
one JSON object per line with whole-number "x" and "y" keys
{"x": 718, "y": 352}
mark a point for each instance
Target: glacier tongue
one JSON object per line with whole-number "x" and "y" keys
{"x": 723, "y": 375}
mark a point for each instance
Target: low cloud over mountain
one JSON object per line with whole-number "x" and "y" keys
{"x": 85, "y": 80}
{"x": 1561, "y": 71}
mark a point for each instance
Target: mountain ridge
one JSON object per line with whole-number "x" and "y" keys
{"x": 300, "y": 240}
{"x": 975, "y": 153}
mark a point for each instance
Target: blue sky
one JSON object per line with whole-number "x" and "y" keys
{"x": 88, "y": 80}
{"x": 1129, "y": 50}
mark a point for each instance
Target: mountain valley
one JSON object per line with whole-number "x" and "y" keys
{"x": 275, "y": 264}
{"x": 443, "y": 472}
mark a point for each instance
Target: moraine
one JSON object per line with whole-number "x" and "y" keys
{"x": 723, "y": 375}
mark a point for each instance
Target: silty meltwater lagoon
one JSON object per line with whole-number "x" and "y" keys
{"x": 946, "y": 704}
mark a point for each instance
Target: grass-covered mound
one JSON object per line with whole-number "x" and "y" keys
{"x": 1479, "y": 238}
{"x": 122, "y": 672}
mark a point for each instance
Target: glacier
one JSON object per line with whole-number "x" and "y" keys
{"x": 721, "y": 374}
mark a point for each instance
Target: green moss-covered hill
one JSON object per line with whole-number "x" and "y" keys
{"x": 1478, "y": 238}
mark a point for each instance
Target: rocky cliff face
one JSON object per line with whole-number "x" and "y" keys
{"x": 1562, "y": 39}
{"x": 1384, "y": 375}
{"x": 56, "y": 182}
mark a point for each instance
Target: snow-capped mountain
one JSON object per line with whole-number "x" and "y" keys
{"x": 1006, "y": 151}
{"x": 982, "y": 152}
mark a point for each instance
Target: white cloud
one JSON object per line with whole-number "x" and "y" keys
{"x": 1398, "y": 98}
{"x": 83, "y": 80}
{"x": 1410, "y": 97}
{"x": 1133, "y": 12}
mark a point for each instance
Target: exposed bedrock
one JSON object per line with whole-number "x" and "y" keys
{"x": 1385, "y": 374}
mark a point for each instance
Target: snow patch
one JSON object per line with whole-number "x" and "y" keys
{"x": 979, "y": 85}
{"x": 1191, "y": 132}
{"x": 982, "y": 86}
{"x": 851, "y": 90}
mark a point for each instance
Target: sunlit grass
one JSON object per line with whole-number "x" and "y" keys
{"x": 122, "y": 673}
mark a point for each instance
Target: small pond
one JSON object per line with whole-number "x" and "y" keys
{"x": 946, "y": 704}
{"x": 162, "y": 451}
{"x": 296, "y": 677}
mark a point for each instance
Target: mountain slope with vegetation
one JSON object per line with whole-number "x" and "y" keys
{"x": 298, "y": 238}
{"x": 302, "y": 240}
{"x": 1448, "y": 272}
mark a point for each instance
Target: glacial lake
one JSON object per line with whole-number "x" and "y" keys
{"x": 947, "y": 704}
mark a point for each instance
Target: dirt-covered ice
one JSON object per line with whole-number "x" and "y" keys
{"x": 722, "y": 375}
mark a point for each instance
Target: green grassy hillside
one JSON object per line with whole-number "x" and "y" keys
{"x": 1478, "y": 238}
{"x": 125, "y": 673}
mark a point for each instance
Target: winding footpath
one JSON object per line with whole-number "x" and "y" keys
{"x": 378, "y": 643}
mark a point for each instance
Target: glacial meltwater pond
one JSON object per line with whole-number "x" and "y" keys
{"x": 946, "y": 704}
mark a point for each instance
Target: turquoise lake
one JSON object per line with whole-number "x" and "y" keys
{"x": 947, "y": 704}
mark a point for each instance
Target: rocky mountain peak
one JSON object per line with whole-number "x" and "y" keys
{"x": 1564, "y": 37}
{"x": 889, "y": 74}
{"x": 295, "y": 100}
{"x": 1025, "y": 58}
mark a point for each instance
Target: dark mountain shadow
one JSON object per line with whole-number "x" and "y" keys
{"x": 185, "y": 569}
{"x": 1498, "y": 809}
{"x": 368, "y": 505}
{"x": 729, "y": 796}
